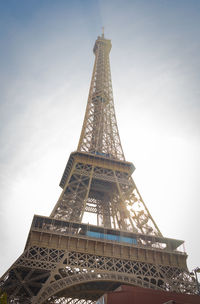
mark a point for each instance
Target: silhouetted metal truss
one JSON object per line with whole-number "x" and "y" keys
{"x": 68, "y": 261}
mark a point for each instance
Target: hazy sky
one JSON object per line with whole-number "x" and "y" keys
{"x": 46, "y": 63}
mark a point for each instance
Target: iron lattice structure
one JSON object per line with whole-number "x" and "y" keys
{"x": 68, "y": 261}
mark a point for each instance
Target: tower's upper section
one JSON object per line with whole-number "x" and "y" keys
{"x": 102, "y": 42}
{"x": 97, "y": 184}
{"x": 99, "y": 133}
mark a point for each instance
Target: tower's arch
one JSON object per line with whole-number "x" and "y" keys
{"x": 89, "y": 286}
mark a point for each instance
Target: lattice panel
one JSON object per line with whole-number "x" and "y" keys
{"x": 70, "y": 301}
{"x": 79, "y": 268}
{"x": 139, "y": 215}
{"x": 40, "y": 258}
{"x": 71, "y": 204}
{"x": 29, "y": 272}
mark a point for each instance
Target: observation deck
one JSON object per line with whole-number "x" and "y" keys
{"x": 50, "y": 232}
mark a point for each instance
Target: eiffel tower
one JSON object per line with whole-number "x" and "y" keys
{"x": 68, "y": 260}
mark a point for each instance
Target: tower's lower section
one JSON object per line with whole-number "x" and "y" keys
{"x": 64, "y": 261}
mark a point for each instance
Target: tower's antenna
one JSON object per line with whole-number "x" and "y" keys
{"x": 102, "y": 31}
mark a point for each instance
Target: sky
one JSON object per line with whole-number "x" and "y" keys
{"x": 46, "y": 62}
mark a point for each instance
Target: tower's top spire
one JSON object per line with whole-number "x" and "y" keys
{"x": 102, "y": 32}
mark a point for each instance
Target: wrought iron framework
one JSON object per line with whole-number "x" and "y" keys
{"x": 68, "y": 261}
